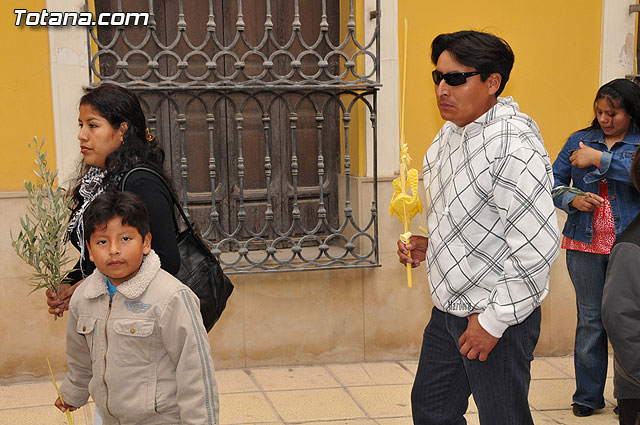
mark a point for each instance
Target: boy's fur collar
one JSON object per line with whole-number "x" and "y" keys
{"x": 96, "y": 284}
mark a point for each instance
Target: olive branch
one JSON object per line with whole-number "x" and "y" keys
{"x": 41, "y": 240}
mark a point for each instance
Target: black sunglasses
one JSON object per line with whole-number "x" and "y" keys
{"x": 452, "y": 78}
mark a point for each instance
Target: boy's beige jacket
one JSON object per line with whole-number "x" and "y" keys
{"x": 144, "y": 356}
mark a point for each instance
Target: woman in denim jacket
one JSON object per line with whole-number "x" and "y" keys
{"x": 596, "y": 161}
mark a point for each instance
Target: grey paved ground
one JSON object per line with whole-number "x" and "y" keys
{"x": 356, "y": 394}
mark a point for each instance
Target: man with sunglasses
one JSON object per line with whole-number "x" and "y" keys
{"x": 492, "y": 238}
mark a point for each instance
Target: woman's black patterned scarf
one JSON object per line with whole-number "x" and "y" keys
{"x": 90, "y": 187}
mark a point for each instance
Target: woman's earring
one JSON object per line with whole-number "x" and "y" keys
{"x": 147, "y": 134}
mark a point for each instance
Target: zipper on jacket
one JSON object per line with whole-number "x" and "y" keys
{"x": 104, "y": 370}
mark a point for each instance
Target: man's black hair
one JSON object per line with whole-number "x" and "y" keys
{"x": 485, "y": 52}
{"x": 108, "y": 205}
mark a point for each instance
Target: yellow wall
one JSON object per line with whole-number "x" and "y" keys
{"x": 556, "y": 71}
{"x": 25, "y": 87}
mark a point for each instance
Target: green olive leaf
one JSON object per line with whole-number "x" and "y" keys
{"x": 41, "y": 241}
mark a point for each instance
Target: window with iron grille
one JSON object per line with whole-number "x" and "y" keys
{"x": 253, "y": 102}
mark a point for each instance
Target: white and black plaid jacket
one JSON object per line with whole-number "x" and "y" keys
{"x": 492, "y": 225}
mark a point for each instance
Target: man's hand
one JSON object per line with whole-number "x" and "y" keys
{"x": 587, "y": 203}
{"x": 59, "y": 302}
{"x": 475, "y": 342}
{"x": 418, "y": 247}
{"x": 585, "y": 157}
{"x": 64, "y": 406}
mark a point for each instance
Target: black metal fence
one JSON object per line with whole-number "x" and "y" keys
{"x": 254, "y": 104}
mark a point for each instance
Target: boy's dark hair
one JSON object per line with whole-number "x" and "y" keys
{"x": 108, "y": 205}
{"x": 485, "y": 52}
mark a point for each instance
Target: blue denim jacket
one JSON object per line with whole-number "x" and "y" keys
{"x": 614, "y": 166}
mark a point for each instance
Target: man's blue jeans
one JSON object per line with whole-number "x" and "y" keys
{"x": 587, "y": 272}
{"x": 500, "y": 385}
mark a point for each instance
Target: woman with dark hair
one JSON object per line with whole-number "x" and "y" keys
{"x": 596, "y": 161}
{"x": 114, "y": 139}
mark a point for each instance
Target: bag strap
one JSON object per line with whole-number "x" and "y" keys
{"x": 174, "y": 197}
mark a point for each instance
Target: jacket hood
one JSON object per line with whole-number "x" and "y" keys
{"x": 506, "y": 108}
{"x": 132, "y": 288}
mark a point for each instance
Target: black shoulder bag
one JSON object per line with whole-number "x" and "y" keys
{"x": 199, "y": 268}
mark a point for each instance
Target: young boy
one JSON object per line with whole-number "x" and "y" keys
{"x": 135, "y": 338}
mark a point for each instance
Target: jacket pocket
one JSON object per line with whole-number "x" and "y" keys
{"x": 133, "y": 345}
{"x": 86, "y": 327}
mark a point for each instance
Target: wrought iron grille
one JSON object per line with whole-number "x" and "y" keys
{"x": 257, "y": 122}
